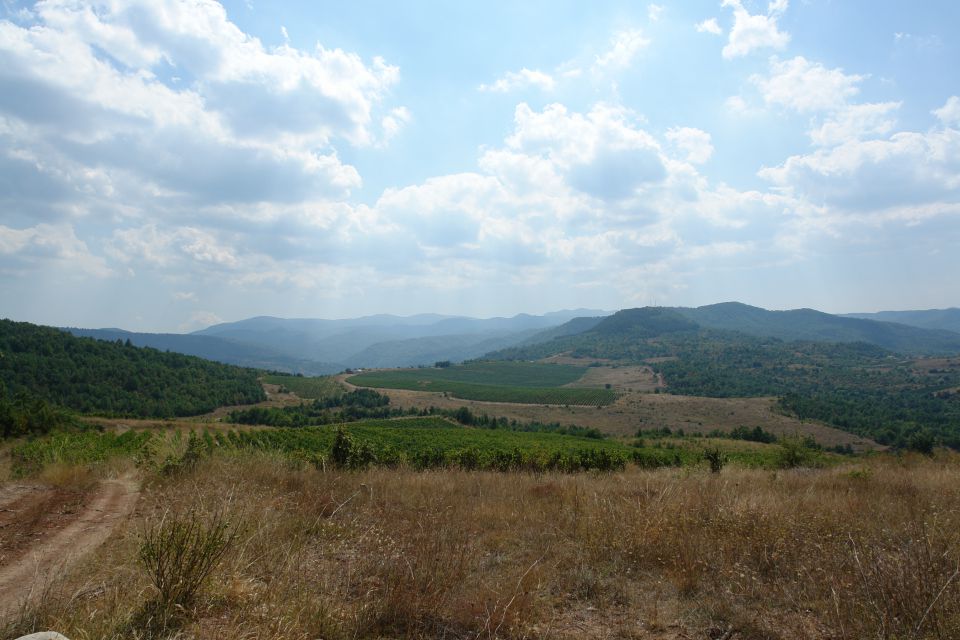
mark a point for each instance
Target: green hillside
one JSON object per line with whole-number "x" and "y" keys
{"x": 856, "y": 386}
{"x": 809, "y": 324}
{"x": 115, "y": 378}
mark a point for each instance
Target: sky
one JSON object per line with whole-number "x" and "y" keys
{"x": 170, "y": 164}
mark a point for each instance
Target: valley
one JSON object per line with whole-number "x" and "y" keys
{"x": 637, "y": 474}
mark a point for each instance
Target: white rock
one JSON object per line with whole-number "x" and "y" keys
{"x": 44, "y": 635}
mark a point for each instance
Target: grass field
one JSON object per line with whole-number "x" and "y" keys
{"x": 315, "y": 388}
{"x": 864, "y": 550}
{"x": 513, "y": 382}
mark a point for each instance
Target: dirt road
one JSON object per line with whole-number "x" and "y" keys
{"x": 26, "y": 571}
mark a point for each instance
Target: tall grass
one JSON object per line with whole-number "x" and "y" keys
{"x": 867, "y": 551}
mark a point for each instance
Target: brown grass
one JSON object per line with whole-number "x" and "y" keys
{"x": 866, "y": 551}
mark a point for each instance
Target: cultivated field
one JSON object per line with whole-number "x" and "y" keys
{"x": 510, "y": 382}
{"x": 633, "y": 411}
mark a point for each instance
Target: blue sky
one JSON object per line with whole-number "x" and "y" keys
{"x": 165, "y": 165}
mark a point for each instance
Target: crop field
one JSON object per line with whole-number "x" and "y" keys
{"x": 417, "y": 443}
{"x": 513, "y": 382}
{"x": 312, "y": 388}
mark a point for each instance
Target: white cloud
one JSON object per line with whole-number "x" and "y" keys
{"x": 856, "y": 121}
{"x": 709, "y": 25}
{"x": 394, "y": 122}
{"x": 44, "y": 244}
{"x": 654, "y": 11}
{"x": 618, "y": 54}
{"x": 898, "y": 177}
{"x": 755, "y": 31}
{"x": 160, "y": 247}
{"x": 85, "y": 91}
{"x": 624, "y": 46}
{"x": 806, "y": 86}
{"x": 522, "y": 79}
{"x": 949, "y": 113}
{"x": 695, "y": 143}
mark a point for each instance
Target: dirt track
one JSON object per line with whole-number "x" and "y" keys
{"x": 25, "y": 573}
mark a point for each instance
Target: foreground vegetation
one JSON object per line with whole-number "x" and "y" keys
{"x": 517, "y": 382}
{"x": 868, "y": 550}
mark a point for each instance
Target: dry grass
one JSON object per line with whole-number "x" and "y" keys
{"x": 867, "y": 551}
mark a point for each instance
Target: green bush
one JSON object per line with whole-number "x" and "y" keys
{"x": 179, "y": 552}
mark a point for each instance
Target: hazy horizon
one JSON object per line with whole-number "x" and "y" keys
{"x": 169, "y": 165}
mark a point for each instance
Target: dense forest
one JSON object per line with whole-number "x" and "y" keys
{"x": 52, "y": 367}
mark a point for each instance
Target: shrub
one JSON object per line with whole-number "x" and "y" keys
{"x": 179, "y": 553}
{"x": 715, "y": 458}
{"x": 794, "y": 452}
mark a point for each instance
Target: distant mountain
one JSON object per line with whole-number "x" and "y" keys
{"x": 388, "y": 341}
{"x": 627, "y": 327}
{"x": 417, "y": 351}
{"x": 809, "y": 324}
{"x": 945, "y": 319}
{"x": 213, "y": 348}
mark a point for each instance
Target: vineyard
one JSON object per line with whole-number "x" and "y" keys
{"x": 515, "y": 382}
{"x": 419, "y": 443}
{"x": 317, "y": 388}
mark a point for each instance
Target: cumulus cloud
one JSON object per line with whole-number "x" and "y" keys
{"x": 32, "y": 247}
{"x": 624, "y": 46}
{"x": 171, "y": 99}
{"x": 709, "y": 25}
{"x": 910, "y": 175}
{"x": 694, "y": 143}
{"x": 755, "y": 31}
{"x": 949, "y": 113}
{"x": 856, "y": 121}
{"x": 806, "y": 86}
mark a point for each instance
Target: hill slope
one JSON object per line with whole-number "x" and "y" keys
{"x": 849, "y": 383}
{"x": 116, "y": 378}
{"x": 214, "y": 348}
{"x": 945, "y": 319}
{"x": 809, "y": 324}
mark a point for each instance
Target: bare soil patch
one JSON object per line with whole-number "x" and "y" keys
{"x": 51, "y": 528}
{"x": 620, "y": 378}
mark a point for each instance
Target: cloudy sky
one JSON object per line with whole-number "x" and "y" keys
{"x": 168, "y": 164}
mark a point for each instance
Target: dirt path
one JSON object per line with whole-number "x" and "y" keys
{"x": 27, "y": 573}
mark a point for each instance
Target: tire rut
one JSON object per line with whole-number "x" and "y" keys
{"x": 25, "y": 578}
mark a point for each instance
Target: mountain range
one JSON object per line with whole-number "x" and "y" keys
{"x": 319, "y": 346}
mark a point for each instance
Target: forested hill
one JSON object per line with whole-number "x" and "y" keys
{"x": 817, "y": 326}
{"x": 115, "y": 378}
{"x": 616, "y": 335}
